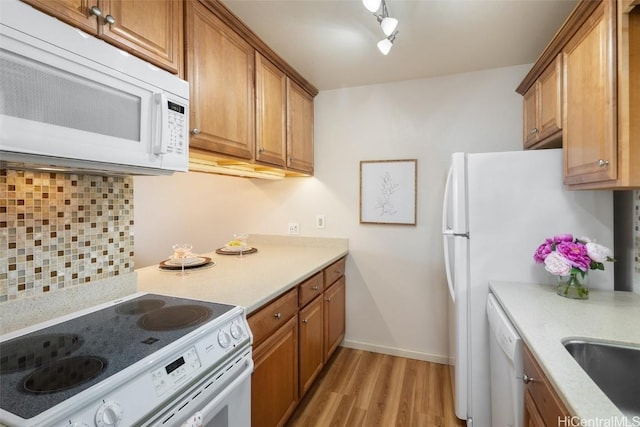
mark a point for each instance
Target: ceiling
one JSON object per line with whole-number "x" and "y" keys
{"x": 332, "y": 43}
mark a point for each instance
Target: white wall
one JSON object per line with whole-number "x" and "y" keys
{"x": 396, "y": 292}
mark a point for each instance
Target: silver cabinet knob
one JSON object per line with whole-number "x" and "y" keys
{"x": 195, "y": 131}
{"x": 534, "y": 131}
{"x": 328, "y": 299}
{"x": 278, "y": 316}
{"x": 315, "y": 289}
{"x": 95, "y": 11}
{"x": 109, "y": 20}
{"x": 603, "y": 163}
{"x": 305, "y": 321}
{"x": 261, "y": 150}
{"x": 527, "y": 379}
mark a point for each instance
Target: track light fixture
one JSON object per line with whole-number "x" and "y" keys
{"x": 385, "y": 45}
{"x": 372, "y": 5}
{"x": 387, "y": 23}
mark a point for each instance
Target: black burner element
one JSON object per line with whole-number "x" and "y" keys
{"x": 34, "y": 351}
{"x": 174, "y": 317}
{"x": 140, "y": 306}
{"x": 63, "y": 374}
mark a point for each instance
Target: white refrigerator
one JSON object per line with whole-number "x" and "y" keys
{"x": 498, "y": 208}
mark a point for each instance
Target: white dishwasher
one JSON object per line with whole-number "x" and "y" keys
{"x": 505, "y": 350}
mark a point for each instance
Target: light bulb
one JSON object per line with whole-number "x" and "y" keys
{"x": 388, "y": 25}
{"x": 385, "y": 46}
{"x": 372, "y": 5}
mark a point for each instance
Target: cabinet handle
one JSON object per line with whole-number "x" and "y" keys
{"x": 95, "y": 11}
{"x": 534, "y": 131}
{"x": 261, "y": 150}
{"x": 195, "y": 131}
{"x": 328, "y": 299}
{"x": 109, "y": 20}
{"x": 277, "y": 315}
{"x": 527, "y": 379}
{"x": 305, "y": 321}
{"x": 315, "y": 289}
{"x": 603, "y": 163}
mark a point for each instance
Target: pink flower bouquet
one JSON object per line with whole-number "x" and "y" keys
{"x": 565, "y": 256}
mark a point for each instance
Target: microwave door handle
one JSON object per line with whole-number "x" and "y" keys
{"x": 161, "y": 140}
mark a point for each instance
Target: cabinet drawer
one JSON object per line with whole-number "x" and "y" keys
{"x": 310, "y": 288}
{"x": 269, "y": 318}
{"x": 333, "y": 272}
{"x": 546, "y": 400}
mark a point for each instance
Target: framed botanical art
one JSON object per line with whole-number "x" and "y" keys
{"x": 388, "y": 191}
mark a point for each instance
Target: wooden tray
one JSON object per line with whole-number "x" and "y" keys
{"x": 221, "y": 251}
{"x": 163, "y": 265}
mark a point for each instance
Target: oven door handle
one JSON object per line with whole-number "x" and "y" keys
{"x": 246, "y": 374}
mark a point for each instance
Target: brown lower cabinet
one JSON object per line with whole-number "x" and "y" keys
{"x": 294, "y": 335}
{"x": 542, "y": 406}
{"x": 274, "y": 384}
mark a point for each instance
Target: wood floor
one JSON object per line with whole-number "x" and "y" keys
{"x": 363, "y": 389}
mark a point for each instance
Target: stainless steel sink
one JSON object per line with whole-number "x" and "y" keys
{"x": 614, "y": 368}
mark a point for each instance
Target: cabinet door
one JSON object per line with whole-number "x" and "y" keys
{"x": 589, "y": 83}
{"x": 334, "y": 317}
{"x": 532, "y": 417}
{"x": 530, "y": 116}
{"x": 299, "y": 129}
{"x": 311, "y": 337}
{"x": 73, "y": 12}
{"x": 545, "y": 407}
{"x": 274, "y": 383}
{"x": 550, "y": 100}
{"x": 271, "y": 112}
{"x": 220, "y": 69}
{"x": 151, "y": 30}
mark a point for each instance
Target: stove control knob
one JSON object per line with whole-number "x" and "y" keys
{"x": 236, "y": 331}
{"x": 109, "y": 414}
{"x": 224, "y": 339}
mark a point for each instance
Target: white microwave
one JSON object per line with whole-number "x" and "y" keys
{"x": 71, "y": 101}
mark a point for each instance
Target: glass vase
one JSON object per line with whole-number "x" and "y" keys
{"x": 575, "y": 285}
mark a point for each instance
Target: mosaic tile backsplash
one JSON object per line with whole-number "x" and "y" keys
{"x": 59, "y": 230}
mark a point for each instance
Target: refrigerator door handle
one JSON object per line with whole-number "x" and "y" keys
{"x": 447, "y": 266}
{"x": 446, "y": 229}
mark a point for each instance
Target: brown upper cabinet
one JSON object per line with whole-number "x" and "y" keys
{"x": 543, "y": 109}
{"x": 599, "y": 51}
{"x": 271, "y": 112}
{"x": 151, "y": 31}
{"x": 219, "y": 67}
{"x": 249, "y": 108}
{"x": 299, "y": 129}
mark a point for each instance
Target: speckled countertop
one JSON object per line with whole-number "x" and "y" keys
{"x": 544, "y": 320}
{"x": 280, "y": 263}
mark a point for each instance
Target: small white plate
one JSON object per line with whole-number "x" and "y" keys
{"x": 186, "y": 261}
{"x": 236, "y": 248}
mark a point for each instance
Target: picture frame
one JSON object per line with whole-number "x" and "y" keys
{"x": 388, "y": 190}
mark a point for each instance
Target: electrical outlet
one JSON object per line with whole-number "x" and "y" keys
{"x": 294, "y": 228}
{"x": 320, "y": 221}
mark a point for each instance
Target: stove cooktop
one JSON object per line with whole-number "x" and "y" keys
{"x": 43, "y": 368}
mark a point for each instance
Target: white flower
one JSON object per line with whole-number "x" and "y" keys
{"x": 557, "y": 265}
{"x": 597, "y": 252}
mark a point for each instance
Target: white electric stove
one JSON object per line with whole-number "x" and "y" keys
{"x": 142, "y": 360}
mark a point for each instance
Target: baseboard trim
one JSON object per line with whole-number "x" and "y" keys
{"x": 392, "y": 351}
